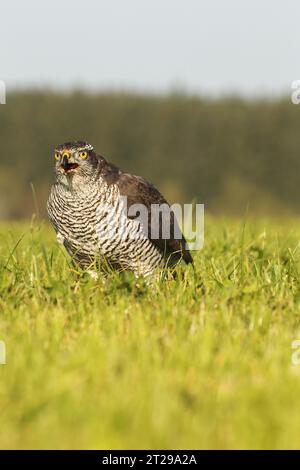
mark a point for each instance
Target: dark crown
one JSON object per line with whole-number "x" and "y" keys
{"x": 77, "y": 144}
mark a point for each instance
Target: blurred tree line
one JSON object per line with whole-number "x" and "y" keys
{"x": 228, "y": 153}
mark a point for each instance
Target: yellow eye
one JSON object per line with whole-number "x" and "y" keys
{"x": 83, "y": 154}
{"x": 56, "y": 156}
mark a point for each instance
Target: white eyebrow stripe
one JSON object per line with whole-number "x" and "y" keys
{"x": 87, "y": 147}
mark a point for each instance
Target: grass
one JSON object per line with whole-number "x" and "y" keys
{"x": 114, "y": 364}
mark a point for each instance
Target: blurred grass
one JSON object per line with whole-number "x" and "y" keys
{"x": 114, "y": 364}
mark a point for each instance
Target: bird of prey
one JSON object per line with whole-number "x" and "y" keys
{"x": 89, "y": 207}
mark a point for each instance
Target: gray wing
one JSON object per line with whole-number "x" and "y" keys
{"x": 139, "y": 191}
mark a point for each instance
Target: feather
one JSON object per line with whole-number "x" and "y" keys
{"x": 139, "y": 191}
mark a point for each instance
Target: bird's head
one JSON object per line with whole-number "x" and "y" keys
{"x": 74, "y": 161}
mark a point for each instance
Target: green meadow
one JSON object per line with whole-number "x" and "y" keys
{"x": 113, "y": 363}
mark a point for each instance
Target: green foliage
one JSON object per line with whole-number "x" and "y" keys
{"x": 114, "y": 364}
{"x": 228, "y": 153}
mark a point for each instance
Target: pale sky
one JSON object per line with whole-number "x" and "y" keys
{"x": 205, "y": 46}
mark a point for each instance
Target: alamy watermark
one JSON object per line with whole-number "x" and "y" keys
{"x": 295, "y": 95}
{"x": 2, "y": 92}
{"x": 295, "y": 358}
{"x": 154, "y": 221}
{"x": 2, "y": 353}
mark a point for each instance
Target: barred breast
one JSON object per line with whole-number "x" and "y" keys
{"x": 93, "y": 227}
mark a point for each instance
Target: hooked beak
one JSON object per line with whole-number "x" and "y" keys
{"x": 67, "y": 166}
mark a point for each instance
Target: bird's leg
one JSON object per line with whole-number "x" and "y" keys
{"x": 93, "y": 274}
